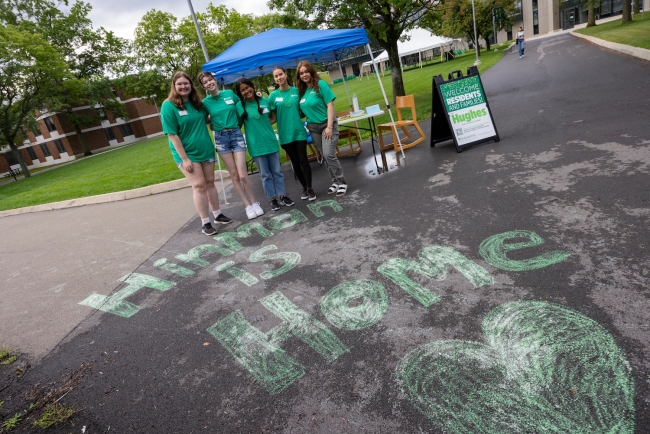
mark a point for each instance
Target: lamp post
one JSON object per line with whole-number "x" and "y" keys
{"x": 207, "y": 59}
{"x": 477, "y": 62}
{"x": 198, "y": 31}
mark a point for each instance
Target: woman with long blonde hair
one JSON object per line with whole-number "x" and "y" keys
{"x": 229, "y": 140}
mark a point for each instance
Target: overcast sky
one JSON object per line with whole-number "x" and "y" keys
{"x": 121, "y": 16}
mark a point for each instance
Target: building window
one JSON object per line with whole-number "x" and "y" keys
{"x": 9, "y": 156}
{"x": 59, "y": 145}
{"x": 115, "y": 93}
{"x": 45, "y": 149}
{"x": 102, "y": 115}
{"x": 31, "y": 153}
{"x": 125, "y": 129}
{"x": 109, "y": 133}
{"x": 49, "y": 124}
{"x": 535, "y": 18}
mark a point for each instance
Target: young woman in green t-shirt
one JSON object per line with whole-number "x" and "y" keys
{"x": 284, "y": 103}
{"x": 317, "y": 103}
{"x": 262, "y": 143}
{"x": 229, "y": 141}
{"x": 183, "y": 122}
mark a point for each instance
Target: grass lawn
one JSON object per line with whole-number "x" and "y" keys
{"x": 636, "y": 33}
{"x": 149, "y": 162}
{"x": 417, "y": 81}
{"x": 134, "y": 166}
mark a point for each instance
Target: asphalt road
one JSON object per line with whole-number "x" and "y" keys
{"x": 501, "y": 289}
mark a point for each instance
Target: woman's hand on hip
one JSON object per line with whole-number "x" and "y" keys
{"x": 327, "y": 133}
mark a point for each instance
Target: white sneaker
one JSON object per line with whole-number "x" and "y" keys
{"x": 257, "y": 209}
{"x": 250, "y": 212}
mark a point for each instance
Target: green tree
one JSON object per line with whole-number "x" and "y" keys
{"x": 90, "y": 54}
{"x": 454, "y": 17}
{"x": 30, "y": 70}
{"x": 165, "y": 44}
{"x": 627, "y": 12}
{"x": 384, "y": 20}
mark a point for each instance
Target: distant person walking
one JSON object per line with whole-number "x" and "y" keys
{"x": 262, "y": 143}
{"x": 284, "y": 102}
{"x": 317, "y": 103}
{"x": 183, "y": 121}
{"x": 229, "y": 140}
{"x": 520, "y": 42}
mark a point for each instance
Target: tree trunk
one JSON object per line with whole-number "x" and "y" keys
{"x": 487, "y": 43}
{"x": 396, "y": 71}
{"x": 627, "y": 12}
{"x": 82, "y": 141}
{"x": 19, "y": 157}
{"x": 591, "y": 14}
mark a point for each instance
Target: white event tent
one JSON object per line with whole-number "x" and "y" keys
{"x": 420, "y": 41}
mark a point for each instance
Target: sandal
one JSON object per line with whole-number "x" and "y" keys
{"x": 343, "y": 188}
{"x": 334, "y": 188}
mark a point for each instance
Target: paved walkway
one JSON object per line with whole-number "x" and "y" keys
{"x": 364, "y": 304}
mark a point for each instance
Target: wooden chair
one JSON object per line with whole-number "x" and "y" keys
{"x": 348, "y": 133}
{"x": 401, "y": 103}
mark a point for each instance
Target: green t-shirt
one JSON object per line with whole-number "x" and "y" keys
{"x": 314, "y": 104}
{"x": 222, "y": 110}
{"x": 260, "y": 136}
{"x": 285, "y": 104}
{"x": 189, "y": 126}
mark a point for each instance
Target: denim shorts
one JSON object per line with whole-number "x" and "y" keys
{"x": 211, "y": 160}
{"x": 231, "y": 140}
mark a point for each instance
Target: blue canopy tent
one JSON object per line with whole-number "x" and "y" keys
{"x": 259, "y": 54}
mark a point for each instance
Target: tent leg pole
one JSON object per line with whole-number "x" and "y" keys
{"x": 345, "y": 85}
{"x": 392, "y": 120}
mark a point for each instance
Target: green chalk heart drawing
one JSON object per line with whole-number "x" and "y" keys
{"x": 543, "y": 369}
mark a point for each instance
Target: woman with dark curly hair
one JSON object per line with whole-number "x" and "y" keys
{"x": 262, "y": 143}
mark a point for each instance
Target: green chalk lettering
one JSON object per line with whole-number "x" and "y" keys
{"x": 443, "y": 257}
{"x": 395, "y": 269}
{"x": 495, "y": 248}
{"x": 305, "y": 327}
{"x": 243, "y": 231}
{"x": 287, "y": 219}
{"x": 433, "y": 265}
{"x": 267, "y": 363}
{"x": 542, "y": 368}
{"x": 335, "y": 305}
{"x": 116, "y": 304}
{"x": 317, "y": 208}
{"x": 243, "y": 276}
{"x": 291, "y": 260}
{"x": 194, "y": 255}
{"x": 174, "y": 268}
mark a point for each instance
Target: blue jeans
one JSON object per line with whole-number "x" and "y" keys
{"x": 227, "y": 141}
{"x": 520, "y": 45}
{"x": 272, "y": 177}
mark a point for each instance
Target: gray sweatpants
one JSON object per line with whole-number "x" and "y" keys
{"x": 327, "y": 149}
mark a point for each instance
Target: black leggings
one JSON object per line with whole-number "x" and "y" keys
{"x": 297, "y": 153}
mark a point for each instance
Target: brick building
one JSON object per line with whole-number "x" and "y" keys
{"x": 58, "y": 142}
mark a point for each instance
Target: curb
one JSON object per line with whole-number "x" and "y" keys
{"x": 109, "y": 197}
{"x": 637, "y": 52}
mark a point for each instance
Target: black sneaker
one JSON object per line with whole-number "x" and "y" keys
{"x": 286, "y": 201}
{"x": 304, "y": 195}
{"x": 275, "y": 205}
{"x": 311, "y": 194}
{"x": 222, "y": 219}
{"x": 208, "y": 229}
